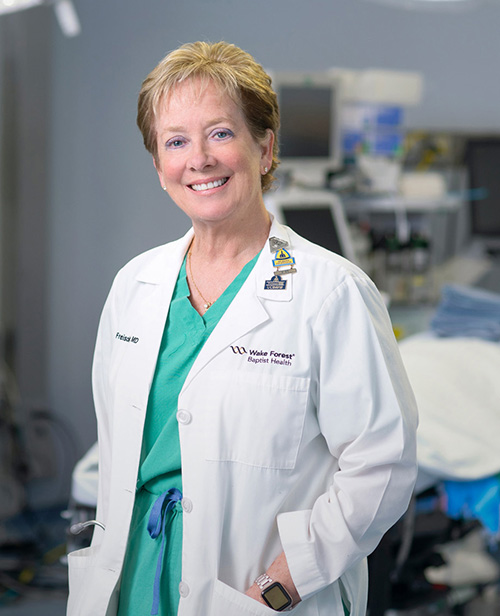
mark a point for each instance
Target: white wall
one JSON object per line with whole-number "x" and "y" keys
{"x": 105, "y": 201}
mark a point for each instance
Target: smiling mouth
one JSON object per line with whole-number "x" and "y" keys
{"x": 208, "y": 185}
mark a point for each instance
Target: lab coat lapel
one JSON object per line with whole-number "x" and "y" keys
{"x": 161, "y": 274}
{"x": 156, "y": 280}
{"x": 244, "y": 314}
{"x": 247, "y": 310}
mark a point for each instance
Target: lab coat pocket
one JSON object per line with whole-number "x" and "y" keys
{"x": 256, "y": 419}
{"x": 79, "y": 563}
{"x": 227, "y": 601}
{"x": 351, "y": 585}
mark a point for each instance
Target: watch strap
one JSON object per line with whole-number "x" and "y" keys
{"x": 263, "y": 581}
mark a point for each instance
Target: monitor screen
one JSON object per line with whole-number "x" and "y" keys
{"x": 310, "y": 131}
{"x": 316, "y": 224}
{"x": 305, "y": 122}
{"x": 317, "y": 215}
{"x": 482, "y": 159}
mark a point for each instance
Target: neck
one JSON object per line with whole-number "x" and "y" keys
{"x": 230, "y": 242}
{"x": 217, "y": 255}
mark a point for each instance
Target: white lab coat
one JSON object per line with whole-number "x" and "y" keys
{"x": 297, "y": 430}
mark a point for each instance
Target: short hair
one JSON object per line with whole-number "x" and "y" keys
{"x": 234, "y": 70}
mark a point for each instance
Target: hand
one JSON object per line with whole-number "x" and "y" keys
{"x": 279, "y": 572}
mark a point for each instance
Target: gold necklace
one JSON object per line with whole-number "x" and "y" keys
{"x": 207, "y": 304}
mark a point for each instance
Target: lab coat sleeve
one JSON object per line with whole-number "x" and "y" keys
{"x": 367, "y": 415}
{"x": 103, "y": 406}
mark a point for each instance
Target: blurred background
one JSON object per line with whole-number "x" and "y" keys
{"x": 79, "y": 197}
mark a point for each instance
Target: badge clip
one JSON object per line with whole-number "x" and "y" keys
{"x": 275, "y": 243}
{"x": 284, "y": 272}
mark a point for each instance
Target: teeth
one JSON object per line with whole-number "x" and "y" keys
{"x": 208, "y": 186}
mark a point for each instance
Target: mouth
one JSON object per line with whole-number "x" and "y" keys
{"x": 208, "y": 185}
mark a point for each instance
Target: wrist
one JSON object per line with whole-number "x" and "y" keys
{"x": 274, "y": 593}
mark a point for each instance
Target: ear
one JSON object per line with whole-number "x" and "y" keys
{"x": 267, "y": 149}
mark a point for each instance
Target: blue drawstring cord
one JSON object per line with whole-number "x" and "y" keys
{"x": 156, "y": 525}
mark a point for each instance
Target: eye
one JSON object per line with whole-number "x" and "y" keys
{"x": 222, "y": 134}
{"x": 174, "y": 143}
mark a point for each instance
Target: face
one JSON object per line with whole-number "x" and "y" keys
{"x": 207, "y": 158}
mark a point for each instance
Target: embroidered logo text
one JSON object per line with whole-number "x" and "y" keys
{"x": 257, "y": 356}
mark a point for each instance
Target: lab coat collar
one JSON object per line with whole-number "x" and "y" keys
{"x": 247, "y": 310}
{"x": 170, "y": 260}
{"x": 167, "y": 260}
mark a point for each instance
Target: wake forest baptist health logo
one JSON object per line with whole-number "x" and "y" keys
{"x": 239, "y": 350}
{"x": 255, "y": 356}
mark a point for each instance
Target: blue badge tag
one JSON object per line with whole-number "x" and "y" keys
{"x": 275, "y": 284}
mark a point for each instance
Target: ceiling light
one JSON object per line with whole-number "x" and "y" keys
{"x": 10, "y": 6}
{"x": 67, "y": 17}
{"x": 64, "y": 9}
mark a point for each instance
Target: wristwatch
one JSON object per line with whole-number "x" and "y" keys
{"x": 274, "y": 593}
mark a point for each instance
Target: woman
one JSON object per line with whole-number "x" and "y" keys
{"x": 256, "y": 427}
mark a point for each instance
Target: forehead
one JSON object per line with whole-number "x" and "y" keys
{"x": 198, "y": 94}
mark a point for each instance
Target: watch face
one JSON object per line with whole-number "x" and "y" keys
{"x": 276, "y": 597}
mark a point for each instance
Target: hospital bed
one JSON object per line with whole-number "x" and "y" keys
{"x": 444, "y": 551}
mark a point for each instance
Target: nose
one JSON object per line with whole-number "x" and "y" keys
{"x": 200, "y": 156}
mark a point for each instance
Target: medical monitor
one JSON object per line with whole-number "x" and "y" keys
{"x": 317, "y": 215}
{"x": 310, "y": 133}
{"x": 482, "y": 159}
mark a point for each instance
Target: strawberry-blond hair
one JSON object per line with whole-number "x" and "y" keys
{"x": 235, "y": 71}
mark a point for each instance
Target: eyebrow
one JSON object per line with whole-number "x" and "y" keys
{"x": 180, "y": 129}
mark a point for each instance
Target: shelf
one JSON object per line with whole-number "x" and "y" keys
{"x": 393, "y": 203}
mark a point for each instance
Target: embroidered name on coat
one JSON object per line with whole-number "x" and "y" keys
{"x": 124, "y": 338}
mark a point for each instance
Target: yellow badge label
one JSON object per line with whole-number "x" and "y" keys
{"x": 283, "y": 257}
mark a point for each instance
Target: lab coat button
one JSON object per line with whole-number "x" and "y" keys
{"x": 187, "y": 505}
{"x": 184, "y": 417}
{"x": 183, "y": 589}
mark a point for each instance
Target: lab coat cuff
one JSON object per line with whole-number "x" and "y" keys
{"x": 300, "y": 554}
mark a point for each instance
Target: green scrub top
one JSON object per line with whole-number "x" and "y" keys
{"x": 185, "y": 333}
